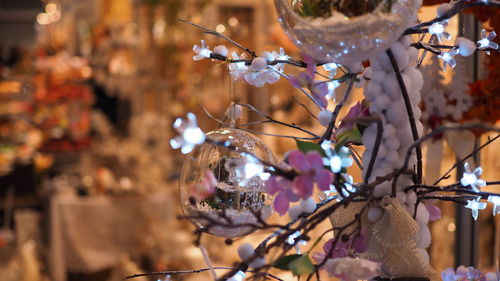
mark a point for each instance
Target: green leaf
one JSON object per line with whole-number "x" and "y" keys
{"x": 302, "y": 265}
{"x": 305, "y": 147}
{"x": 283, "y": 262}
{"x": 353, "y": 135}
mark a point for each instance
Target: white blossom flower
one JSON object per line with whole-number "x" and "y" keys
{"x": 336, "y": 160}
{"x": 202, "y": 51}
{"x": 237, "y": 69}
{"x": 486, "y": 41}
{"x": 282, "y": 56}
{"x": 438, "y": 29}
{"x": 348, "y": 183}
{"x": 190, "y": 134}
{"x": 256, "y": 74}
{"x": 495, "y": 200}
{"x": 475, "y": 205}
{"x": 472, "y": 179}
{"x": 448, "y": 59}
{"x": 291, "y": 241}
{"x": 352, "y": 269}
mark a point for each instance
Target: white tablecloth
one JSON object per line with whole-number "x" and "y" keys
{"x": 88, "y": 234}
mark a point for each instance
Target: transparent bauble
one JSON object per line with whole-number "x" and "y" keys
{"x": 236, "y": 200}
{"x": 347, "y": 33}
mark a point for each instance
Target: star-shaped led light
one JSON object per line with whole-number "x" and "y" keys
{"x": 486, "y": 41}
{"x": 475, "y": 205}
{"x": 190, "y": 134}
{"x": 471, "y": 178}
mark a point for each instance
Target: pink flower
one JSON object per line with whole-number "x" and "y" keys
{"x": 342, "y": 248}
{"x": 434, "y": 211}
{"x": 282, "y": 187}
{"x": 205, "y": 188}
{"x": 357, "y": 111}
{"x": 311, "y": 170}
{"x": 352, "y": 269}
{"x": 318, "y": 89}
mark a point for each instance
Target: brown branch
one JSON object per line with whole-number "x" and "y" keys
{"x": 465, "y": 158}
{"x": 376, "y": 146}
{"x": 329, "y": 131}
{"x": 457, "y": 8}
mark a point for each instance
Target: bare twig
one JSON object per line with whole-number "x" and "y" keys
{"x": 329, "y": 131}
{"x": 409, "y": 110}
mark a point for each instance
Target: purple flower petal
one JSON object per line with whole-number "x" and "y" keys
{"x": 291, "y": 194}
{"x": 272, "y": 186}
{"x": 323, "y": 179}
{"x": 434, "y": 211}
{"x": 321, "y": 89}
{"x": 315, "y": 160}
{"x": 303, "y": 186}
{"x": 296, "y": 82}
{"x": 281, "y": 203}
{"x": 297, "y": 160}
{"x": 359, "y": 244}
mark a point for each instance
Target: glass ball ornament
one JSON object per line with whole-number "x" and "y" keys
{"x": 239, "y": 192}
{"x": 345, "y": 31}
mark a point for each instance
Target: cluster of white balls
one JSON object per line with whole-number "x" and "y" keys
{"x": 386, "y": 101}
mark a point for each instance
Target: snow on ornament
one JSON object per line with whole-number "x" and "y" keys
{"x": 345, "y": 31}
{"x": 237, "y": 190}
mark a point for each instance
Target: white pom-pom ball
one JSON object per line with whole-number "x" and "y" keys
{"x": 382, "y": 101}
{"x": 412, "y": 54}
{"x": 383, "y": 62}
{"x": 424, "y": 255}
{"x": 423, "y": 237}
{"x": 400, "y": 54}
{"x": 405, "y": 40}
{"x": 389, "y": 130}
{"x": 465, "y": 46}
{"x": 378, "y": 76}
{"x": 393, "y": 157}
{"x": 401, "y": 196}
{"x": 372, "y": 90}
{"x": 294, "y": 212}
{"x": 391, "y": 86}
{"x": 221, "y": 50}
{"x": 245, "y": 250}
{"x": 258, "y": 64}
{"x": 308, "y": 206}
{"x": 417, "y": 80}
{"x": 324, "y": 117}
{"x": 422, "y": 216}
{"x": 382, "y": 189}
{"x": 354, "y": 67}
{"x": 411, "y": 197}
{"x": 392, "y": 143}
{"x": 374, "y": 214}
{"x": 396, "y": 113}
{"x": 258, "y": 262}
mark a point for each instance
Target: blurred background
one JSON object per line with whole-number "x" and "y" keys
{"x": 88, "y": 92}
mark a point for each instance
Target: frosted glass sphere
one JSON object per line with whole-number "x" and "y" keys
{"x": 346, "y": 35}
{"x": 235, "y": 198}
